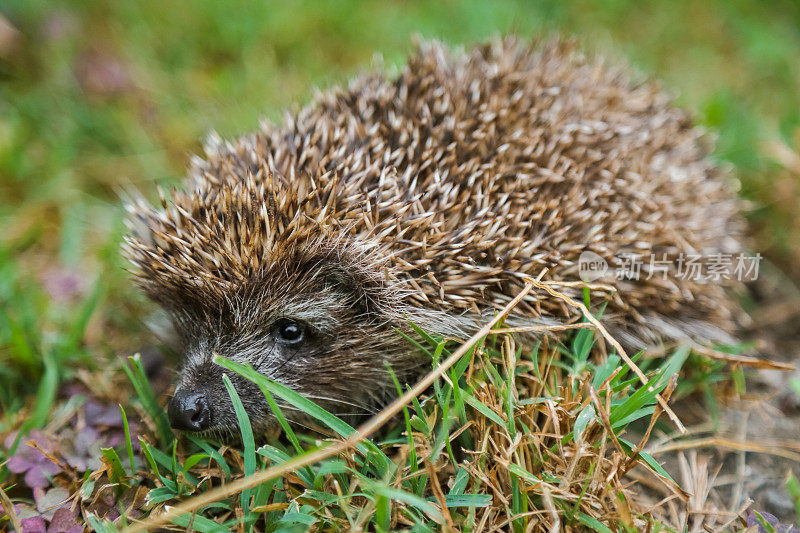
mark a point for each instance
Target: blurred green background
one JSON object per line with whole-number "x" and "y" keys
{"x": 97, "y": 96}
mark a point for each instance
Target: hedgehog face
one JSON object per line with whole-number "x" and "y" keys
{"x": 315, "y": 322}
{"x": 250, "y": 270}
{"x": 289, "y": 345}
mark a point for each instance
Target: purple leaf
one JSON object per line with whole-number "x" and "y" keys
{"x": 772, "y": 520}
{"x": 102, "y": 415}
{"x": 34, "y": 524}
{"x": 117, "y": 438}
{"x": 25, "y": 511}
{"x": 48, "y": 502}
{"x": 35, "y": 478}
{"x": 113, "y": 514}
{"x": 64, "y": 285}
{"x": 31, "y": 461}
{"x": 82, "y": 449}
{"x": 63, "y": 521}
{"x": 49, "y": 467}
{"x": 18, "y": 465}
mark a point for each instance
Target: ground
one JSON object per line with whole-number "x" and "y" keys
{"x": 98, "y": 97}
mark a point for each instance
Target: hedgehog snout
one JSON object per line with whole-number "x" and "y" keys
{"x": 201, "y": 401}
{"x": 189, "y": 410}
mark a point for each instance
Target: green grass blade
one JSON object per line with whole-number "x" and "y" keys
{"x": 586, "y": 415}
{"x": 199, "y": 523}
{"x": 287, "y": 429}
{"x": 412, "y": 452}
{"x": 192, "y": 460}
{"x": 297, "y": 400}
{"x": 100, "y": 525}
{"x": 78, "y": 327}
{"x": 146, "y": 395}
{"x": 793, "y": 487}
{"x": 128, "y": 443}
{"x": 481, "y": 408}
{"x": 468, "y": 500}
{"x": 593, "y": 523}
{"x": 645, "y": 395}
{"x": 22, "y": 349}
{"x": 383, "y": 513}
{"x": 214, "y": 454}
{"x": 148, "y": 455}
{"x": 117, "y": 472}
{"x": 646, "y": 457}
{"x": 372, "y": 452}
{"x": 247, "y": 439}
{"x": 460, "y": 482}
{"x": 406, "y": 497}
{"x": 46, "y": 394}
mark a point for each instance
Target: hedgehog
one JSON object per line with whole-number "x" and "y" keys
{"x": 309, "y": 250}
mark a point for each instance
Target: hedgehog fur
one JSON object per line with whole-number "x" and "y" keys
{"x": 428, "y": 198}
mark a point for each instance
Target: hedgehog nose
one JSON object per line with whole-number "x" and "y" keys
{"x": 188, "y": 410}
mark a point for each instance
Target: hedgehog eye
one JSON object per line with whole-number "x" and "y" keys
{"x": 289, "y": 331}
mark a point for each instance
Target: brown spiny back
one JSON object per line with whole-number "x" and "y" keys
{"x": 453, "y": 180}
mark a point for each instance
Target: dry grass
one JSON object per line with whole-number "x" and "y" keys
{"x": 546, "y": 450}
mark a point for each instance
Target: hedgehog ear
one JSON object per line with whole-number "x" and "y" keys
{"x": 336, "y": 276}
{"x": 358, "y": 288}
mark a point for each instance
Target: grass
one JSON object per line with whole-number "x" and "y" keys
{"x": 70, "y": 138}
{"x": 98, "y": 96}
{"x": 506, "y": 436}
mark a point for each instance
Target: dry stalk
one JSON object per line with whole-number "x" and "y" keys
{"x": 544, "y": 329}
{"x": 439, "y": 495}
{"x": 620, "y": 350}
{"x": 742, "y": 360}
{"x": 720, "y": 442}
{"x": 8, "y": 507}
